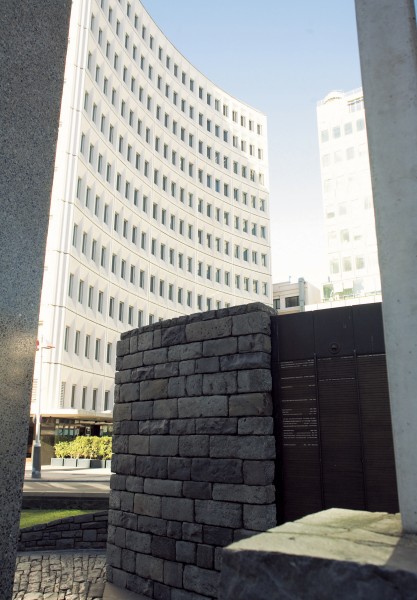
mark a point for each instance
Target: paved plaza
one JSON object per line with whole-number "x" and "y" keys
{"x": 63, "y": 576}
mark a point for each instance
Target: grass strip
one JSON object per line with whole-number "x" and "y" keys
{"x": 31, "y": 517}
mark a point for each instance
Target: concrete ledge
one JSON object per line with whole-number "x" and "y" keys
{"x": 341, "y": 554}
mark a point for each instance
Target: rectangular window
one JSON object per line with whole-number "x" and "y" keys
{"x": 87, "y": 346}
{"x": 77, "y": 342}
{"x": 97, "y": 350}
{"x": 73, "y": 394}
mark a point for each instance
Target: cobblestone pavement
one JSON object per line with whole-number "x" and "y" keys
{"x": 63, "y": 576}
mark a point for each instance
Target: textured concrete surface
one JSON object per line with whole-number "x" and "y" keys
{"x": 344, "y": 554}
{"x": 388, "y": 50}
{"x": 32, "y": 59}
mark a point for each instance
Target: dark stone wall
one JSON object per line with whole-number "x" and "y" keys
{"x": 193, "y": 450}
{"x": 82, "y": 531}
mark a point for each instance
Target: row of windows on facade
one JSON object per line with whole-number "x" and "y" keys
{"x": 85, "y": 402}
{"x": 122, "y": 226}
{"x": 165, "y": 59}
{"x": 336, "y": 131}
{"x": 124, "y": 188}
{"x": 346, "y": 264}
{"x": 126, "y": 230}
{"x": 166, "y": 290}
{"x": 129, "y": 152}
{"x": 188, "y": 111}
{"x": 345, "y": 236}
{"x": 90, "y": 349}
{"x": 345, "y": 208}
{"x": 340, "y": 155}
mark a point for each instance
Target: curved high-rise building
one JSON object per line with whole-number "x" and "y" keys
{"x": 159, "y": 204}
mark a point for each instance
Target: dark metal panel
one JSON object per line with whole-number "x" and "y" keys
{"x": 368, "y": 329}
{"x": 333, "y": 330}
{"x": 296, "y": 336}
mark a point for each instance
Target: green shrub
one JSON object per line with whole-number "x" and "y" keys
{"x": 85, "y": 447}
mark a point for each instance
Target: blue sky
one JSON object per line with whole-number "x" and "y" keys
{"x": 282, "y": 58}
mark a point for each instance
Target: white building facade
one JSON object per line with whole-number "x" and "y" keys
{"x": 159, "y": 204}
{"x": 347, "y": 197}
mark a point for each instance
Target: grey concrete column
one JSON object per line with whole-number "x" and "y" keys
{"x": 388, "y": 52}
{"x": 32, "y": 60}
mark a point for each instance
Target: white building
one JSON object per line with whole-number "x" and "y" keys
{"x": 347, "y": 196}
{"x": 292, "y": 297}
{"x": 159, "y": 205}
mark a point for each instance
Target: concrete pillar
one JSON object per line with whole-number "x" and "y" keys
{"x": 32, "y": 61}
{"x": 388, "y": 51}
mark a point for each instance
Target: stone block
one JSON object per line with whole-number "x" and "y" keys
{"x": 155, "y": 389}
{"x": 242, "y": 405}
{"x": 129, "y": 392}
{"x": 176, "y": 387}
{"x": 194, "y": 385}
{"x": 187, "y": 367}
{"x": 243, "y": 534}
{"x": 256, "y": 426}
{"x": 161, "y": 591}
{"x": 173, "y": 335}
{"x": 205, "y": 556}
{"x": 114, "y": 555}
{"x": 163, "y": 547}
{"x": 214, "y": 406}
{"x": 255, "y": 322}
{"x": 197, "y": 489}
{"x": 179, "y": 468}
{"x": 174, "y": 530}
{"x": 185, "y": 351}
{"x": 207, "y": 365}
{"x": 147, "y": 505}
{"x": 223, "y": 514}
{"x": 208, "y": 330}
{"x": 186, "y": 552}
{"x": 249, "y": 494}
{"x": 255, "y": 380}
{"x": 157, "y": 338}
{"x": 127, "y": 427}
{"x": 128, "y": 520}
{"x": 216, "y": 425}
{"x": 122, "y": 412}
{"x": 152, "y": 525}
{"x": 178, "y": 509}
{"x": 142, "y": 373}
{"x": 123, "y": 464}
{"x": 173, "y": 574}
{"x": 243, "y": 446}
{"x": 126, "y": 501}
{"x": 192, "y": 532}
{"x": 123, "y": 347}
{"x": 220, "y": 347}
{"x": 165, "y": 409}
{"x": 123, "y": 377}
{"x": 258, "y": 472}
{"x": 138, "y": 585}
{"x": 202, "y": 581}
{"x": 138, "y": 542}
{"x": 194, "y": 445}
{"x": 164, "y": 445}
{"x": 120, "y": 444}
{"x": 255, "y": 342}
{"x": 218, "y": 560}
{"x": 184, "y": 595}
{"x": 132, "y": 361}
{"x": 182, "y": 426}
{"x": 139, "y": 444}
{"x": 117, "y": 482}
{"x": 133, "y": 342}
{"x": 142, "y": 410}
{"x": 150, "y": 567}
{"x": 145, "y": 341}
{"x": 220, "y": 383}
{"x": 163, "y": 487}
{"x": 217, "y": 536}
{"x": 226, "y": 470}
{"x": 134, "y": 484}
{"x": 166, "y": 370}
{"x": 259, "y": 518}
{"x": 248, "y": 360}
{"x": 128, "y": 560}
{"x": 157, "y": 427}
{"x": 151, "y": 466}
